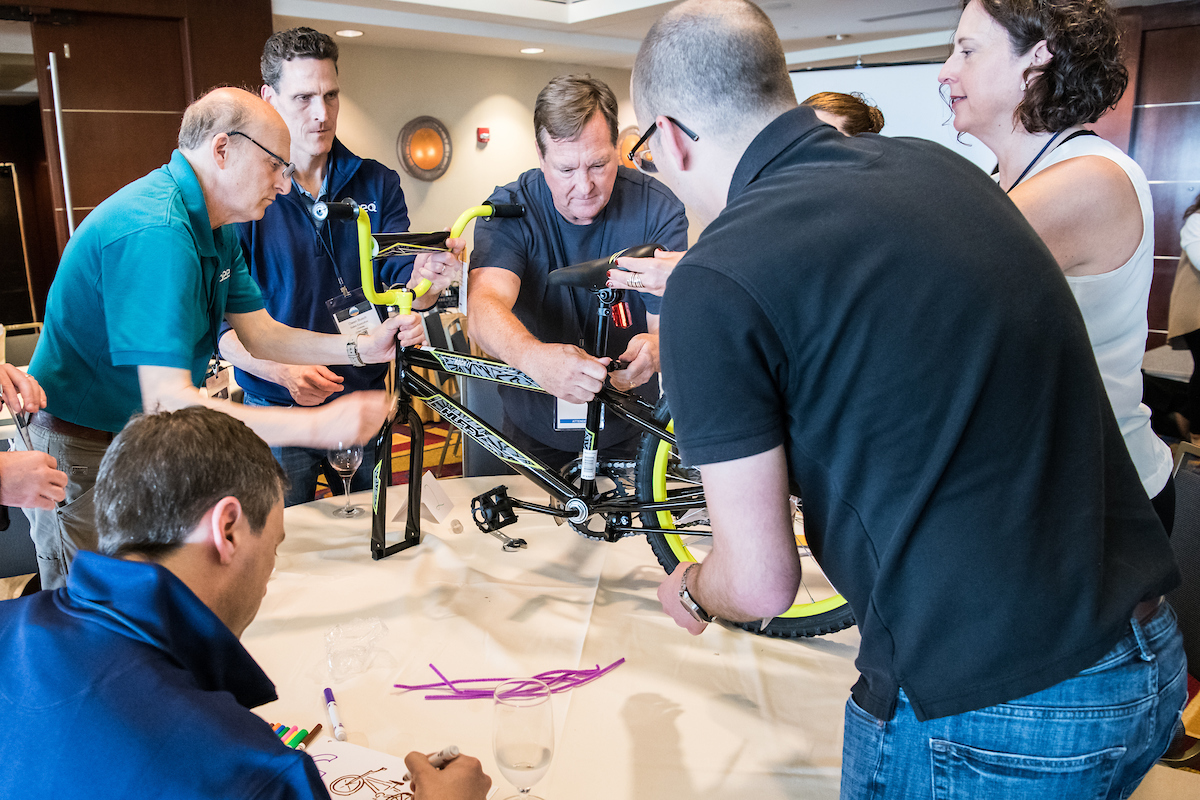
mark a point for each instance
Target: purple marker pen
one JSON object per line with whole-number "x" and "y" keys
{"x": 339, "y": 730}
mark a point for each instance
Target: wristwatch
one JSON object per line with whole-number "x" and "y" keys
{"x": 685, "y": 598}
{"x": 352, "y": 352}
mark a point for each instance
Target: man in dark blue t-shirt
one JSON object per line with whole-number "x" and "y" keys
{"x": 579, "y": 205}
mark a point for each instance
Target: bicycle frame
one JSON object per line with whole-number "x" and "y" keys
{"x": 577, "y": 504}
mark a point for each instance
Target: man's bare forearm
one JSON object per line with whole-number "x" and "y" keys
{"x": 233, "y": 351}
{"x": 498, "y": 331}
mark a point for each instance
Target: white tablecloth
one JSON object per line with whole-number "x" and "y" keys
{"x": 724, "y": 714}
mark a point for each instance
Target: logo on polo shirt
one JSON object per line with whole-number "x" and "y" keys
{"x": 369, "y": 207}
{"x": 224, "y": 277}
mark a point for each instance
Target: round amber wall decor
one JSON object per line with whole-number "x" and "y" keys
{"x": 423, "y": 148}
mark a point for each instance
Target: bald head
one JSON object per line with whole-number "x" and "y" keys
{"x": 716, "y": 60}
{"x": 240, "y": 175}
{"x": 222, "y": 110}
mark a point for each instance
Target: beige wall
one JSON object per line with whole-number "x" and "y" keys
{"x": 383, "y": 88}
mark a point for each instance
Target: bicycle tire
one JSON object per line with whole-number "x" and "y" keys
{"x": 657, "y": 461}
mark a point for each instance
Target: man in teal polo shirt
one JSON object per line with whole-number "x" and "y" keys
{"x": 134, "y": 311}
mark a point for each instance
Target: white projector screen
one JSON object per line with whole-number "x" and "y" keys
{"x": 908, "y": 97}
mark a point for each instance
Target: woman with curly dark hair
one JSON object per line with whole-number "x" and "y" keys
{"x": 1024, "y": 77}
{"x": 849, "y": 113}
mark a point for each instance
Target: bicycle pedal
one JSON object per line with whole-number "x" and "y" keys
{"x": 493, "y": 510}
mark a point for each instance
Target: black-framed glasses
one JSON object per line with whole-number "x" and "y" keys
{"x": 640, "y": 153}
{"x": 288, "y": 167}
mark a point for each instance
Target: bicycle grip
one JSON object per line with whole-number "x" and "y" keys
{"x": 339, "y": 209}
{"x": 507, "y": 209}
{"x": 640, "y": 251}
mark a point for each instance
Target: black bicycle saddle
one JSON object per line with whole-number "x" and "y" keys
{"x": 593, "y": 275}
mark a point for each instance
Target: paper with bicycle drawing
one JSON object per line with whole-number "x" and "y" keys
{"x": 352, "y": 771}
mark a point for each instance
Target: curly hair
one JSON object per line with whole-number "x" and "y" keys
{"x": 860, "y": 115}
{"x": 1084, "y": 77}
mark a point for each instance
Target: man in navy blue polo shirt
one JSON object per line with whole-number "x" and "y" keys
{"x": 138, "y": 300}
{"x": 141, "y": 649}
{"x": 309, "y": 270}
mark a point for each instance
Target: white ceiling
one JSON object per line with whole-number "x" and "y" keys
{"x": 607, "y": 32}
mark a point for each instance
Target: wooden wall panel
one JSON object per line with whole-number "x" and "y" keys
{"x": 141, "y": 56}
{"x": 1166, "y": 135}
{"x": 1167, "y": 142}
{"x": 125, "y": 63}
{"x": 106, "y": 148}
{"x": 1169, "y": 62}
{"x": 227, "y": 38}
{"x": 1170, "y": 201}
{"x": 1117, "y": 124}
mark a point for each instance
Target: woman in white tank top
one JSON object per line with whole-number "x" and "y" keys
{"x": 1023, "y": 78}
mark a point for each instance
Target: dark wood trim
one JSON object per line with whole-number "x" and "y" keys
{"x": 1117, "y": 124}
{"x": 176, "y": 9}
{"x": 1169, "y": 15}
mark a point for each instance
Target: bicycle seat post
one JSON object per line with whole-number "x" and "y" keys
{"x": 605, "y": 298}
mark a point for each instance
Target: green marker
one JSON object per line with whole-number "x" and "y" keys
{"x": 295, "y": 740}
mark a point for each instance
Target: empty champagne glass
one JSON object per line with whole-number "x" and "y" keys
{"x": 346, "y": 458}
{"x": 523, "y": 733}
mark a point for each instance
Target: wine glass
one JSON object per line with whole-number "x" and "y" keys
{"x": 523, "y": 733}
{"x": 346, "y": 458}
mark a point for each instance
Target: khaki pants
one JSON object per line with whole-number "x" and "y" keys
{"x": 59, "y": 534}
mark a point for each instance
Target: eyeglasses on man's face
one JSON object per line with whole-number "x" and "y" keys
{"x": 277, "y": 163}
{"x": 640, "y": 153}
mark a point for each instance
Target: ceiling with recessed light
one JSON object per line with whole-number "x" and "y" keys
{"x": 602, "y": 33}
{"x": 607, "y": 32}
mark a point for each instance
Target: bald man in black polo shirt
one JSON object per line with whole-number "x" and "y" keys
{"x": 908, "y": 355}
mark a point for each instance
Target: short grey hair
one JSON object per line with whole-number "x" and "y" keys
{"x": 719, "y": 60}
{"x": 568, "y": 103}
{"x": 220, "y": 110}
{"x": 164, "y": 471}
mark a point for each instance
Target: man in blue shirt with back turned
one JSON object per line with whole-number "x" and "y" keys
{"x": 309, "y": 270}
{"x": 141, "y": 647}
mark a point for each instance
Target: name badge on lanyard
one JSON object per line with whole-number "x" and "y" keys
{"x": 353, "y": 313}
{"x": 572, "y": 416}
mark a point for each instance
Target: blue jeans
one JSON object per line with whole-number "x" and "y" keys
{"x": 1095, "y": 735}
{"x": 303, "y": 465}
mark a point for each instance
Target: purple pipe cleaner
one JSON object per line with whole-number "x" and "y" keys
{"x": 559, "y": 680}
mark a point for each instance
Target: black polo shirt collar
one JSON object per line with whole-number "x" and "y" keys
{"x": 784, "y": 131}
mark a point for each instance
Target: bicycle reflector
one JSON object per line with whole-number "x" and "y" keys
{"x": 621, "y": 316}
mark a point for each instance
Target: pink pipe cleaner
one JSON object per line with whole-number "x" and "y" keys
{"x": 559, "y": 680}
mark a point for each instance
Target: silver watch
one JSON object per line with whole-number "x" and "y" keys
{"x": 685, "y": 598}
{"x": 352, "y": 352}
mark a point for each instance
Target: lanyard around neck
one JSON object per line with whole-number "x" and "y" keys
{"x": 1036, "y": 159}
